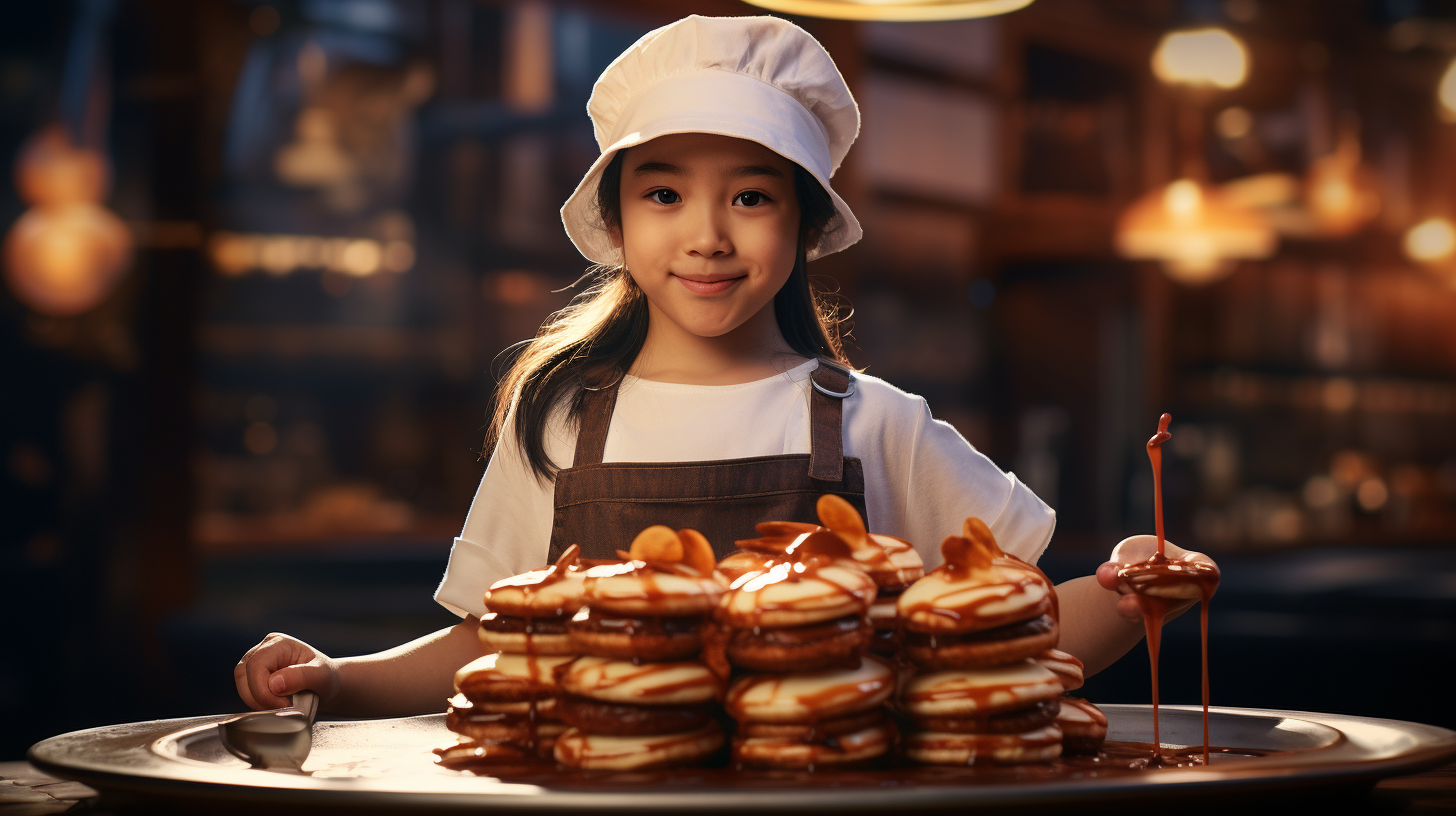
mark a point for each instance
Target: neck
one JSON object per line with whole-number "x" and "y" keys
{"x": 753, "y": 351}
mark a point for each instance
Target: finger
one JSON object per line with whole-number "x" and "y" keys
{"x": 1107, "y": 576}
{"x": 260, "y": 668}
{"x": 240, "y": 679}
{"x": 290, "y": 680}
{"x": 1127, "y": 606}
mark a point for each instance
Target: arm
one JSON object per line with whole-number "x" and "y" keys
{"x": 412, "y": 678}
{"x": 1092, "y": 628}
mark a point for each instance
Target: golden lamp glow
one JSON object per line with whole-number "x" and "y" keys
{"x": 1193, "y": 232}
{"x": 1431, "y": 241}
{"x": 1342, "y": 194}
{"x": 64, "y": 259}
{"x": 1446, "y": 93}
{"x": 49, "y": 170}
{"x": 897, "y": 10}
{"x": 66, "y": 253}
{"x": 1209, "y": 56}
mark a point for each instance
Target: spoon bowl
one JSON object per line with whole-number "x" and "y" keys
{"x": 273, "y": 740}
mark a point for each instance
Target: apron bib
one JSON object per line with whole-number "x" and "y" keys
{"x": 601, "y": 506}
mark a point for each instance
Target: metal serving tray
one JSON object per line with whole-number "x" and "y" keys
{"x": 388, "y": 764}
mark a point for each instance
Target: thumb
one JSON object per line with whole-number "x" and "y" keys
{"x": 290, "y": 680}
{"x": 1107, "y": 576}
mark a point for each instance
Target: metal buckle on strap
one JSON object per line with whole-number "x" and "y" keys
{"x": 849, "y": 375}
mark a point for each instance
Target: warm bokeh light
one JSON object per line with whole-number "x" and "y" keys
{"x": 1431, "y": 241}
{"x": 1209, "y": 56}
{"x": 901, "y": 10}
{"x": 1446, "y": 93}
{"x": 1234, "y": 123}
{"x": 1342, "y": 194}
{"x": 240, "y": 253}
{"x": 1193, "y": 231}
{"x": 64, "y": 259}
{"x": 50, "y": 170}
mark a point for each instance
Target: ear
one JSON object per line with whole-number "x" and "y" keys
{"x": 615, "y": 233}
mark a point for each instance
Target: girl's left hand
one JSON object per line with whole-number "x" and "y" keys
{"x": 1132, "y": 550}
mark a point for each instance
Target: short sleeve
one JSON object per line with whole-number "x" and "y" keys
{"x": 508, "y": 529}
{"x": 949, "y": 481}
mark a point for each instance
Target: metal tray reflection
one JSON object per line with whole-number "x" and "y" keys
{"x": 388, "y": 764}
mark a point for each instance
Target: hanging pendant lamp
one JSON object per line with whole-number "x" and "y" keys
{"x": 894, "y": 10}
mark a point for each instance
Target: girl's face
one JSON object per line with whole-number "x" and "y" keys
{"x": 710, "y": 228}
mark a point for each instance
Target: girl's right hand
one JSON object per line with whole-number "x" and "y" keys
{"x": 281, "y": 666}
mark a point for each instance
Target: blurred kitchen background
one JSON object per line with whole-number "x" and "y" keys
{"x": 261, "y": 259}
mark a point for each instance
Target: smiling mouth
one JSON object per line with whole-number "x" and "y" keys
{"x": 708, "y": 287}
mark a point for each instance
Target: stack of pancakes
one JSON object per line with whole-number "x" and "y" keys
{"x": 799, "y": 625}
{"x": 973, "y": 626}
{"x": 639, "y": 698}
{"x": 506, "y": 705}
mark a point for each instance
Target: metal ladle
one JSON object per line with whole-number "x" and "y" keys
{"x": 273, "y": 740}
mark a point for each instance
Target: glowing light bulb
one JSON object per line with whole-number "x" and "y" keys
{"x": 1431, "y": 241}
{"x": 1209, "y": 56}
{"x": 64, "y": 259}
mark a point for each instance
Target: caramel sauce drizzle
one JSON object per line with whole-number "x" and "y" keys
{"x": 967, "y": 558}
{"x": 1157, "y": 571}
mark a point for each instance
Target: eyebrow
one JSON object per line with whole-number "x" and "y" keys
{"x": 663, "y": 168}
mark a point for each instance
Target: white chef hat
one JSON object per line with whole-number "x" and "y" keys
{"x": 758, "y": 78}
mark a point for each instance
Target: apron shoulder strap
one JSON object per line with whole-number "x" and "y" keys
{"x": 596, "y": 417}
{"x": 831, "y": 383}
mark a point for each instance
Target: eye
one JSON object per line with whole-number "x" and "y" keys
{"x": 664, "y": 196}
{"x": 750, "y": 198}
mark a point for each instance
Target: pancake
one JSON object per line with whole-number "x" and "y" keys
{"x": 978, "y": 692}
{"x": 553, "y": 592}
{"x": 807, "y": 697}
{"x": 978, "y": 587}
{"x": 621, "y": 681}
{"x": 1066, "y": 667}
{"x": 809, "y": 586}
{"x": 509, "y": 677}
{"x": 578, "y": 749}
{"x": 1084, "y": 726}
{"x": 944, "y": 748}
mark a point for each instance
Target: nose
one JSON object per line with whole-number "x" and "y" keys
{"x": 707, "y": 232}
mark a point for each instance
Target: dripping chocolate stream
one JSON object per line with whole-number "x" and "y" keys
{"x": 1158, "y": 571}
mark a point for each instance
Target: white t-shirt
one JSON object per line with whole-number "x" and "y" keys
{"x": 922, "y": 479}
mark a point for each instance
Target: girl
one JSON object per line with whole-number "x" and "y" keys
{"x": 700, "y": 382}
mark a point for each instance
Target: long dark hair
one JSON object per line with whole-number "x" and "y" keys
{"x": 593, "y": 341}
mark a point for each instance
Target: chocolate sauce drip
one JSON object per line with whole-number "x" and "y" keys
{"x": 1156, "y": 573}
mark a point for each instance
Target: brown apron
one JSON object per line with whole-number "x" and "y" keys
{"x": 602, "y": 506}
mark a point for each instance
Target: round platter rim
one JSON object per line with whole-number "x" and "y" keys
{"x": 132, "y": 767}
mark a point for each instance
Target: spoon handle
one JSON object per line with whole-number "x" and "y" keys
{"x": 307, "y": 703}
